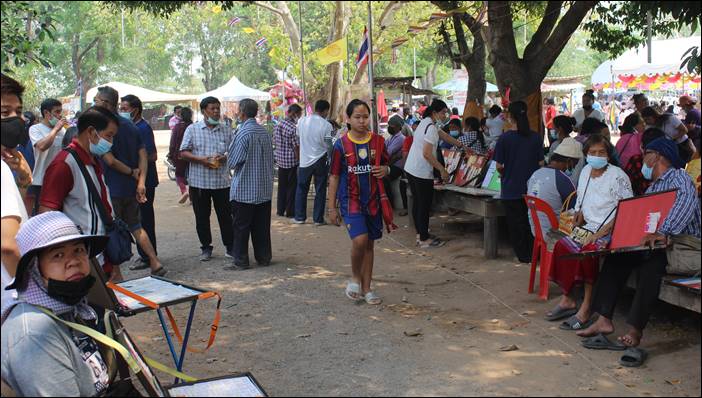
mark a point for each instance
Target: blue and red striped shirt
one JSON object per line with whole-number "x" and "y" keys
{"x": 352, "y": 162}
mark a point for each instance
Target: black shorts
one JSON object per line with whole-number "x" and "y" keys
{"x": 127, "y": 210}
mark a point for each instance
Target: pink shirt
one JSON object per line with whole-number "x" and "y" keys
{"x": 628, "y": 146}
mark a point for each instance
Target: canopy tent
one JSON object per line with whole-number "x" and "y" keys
{"x": 561, "y": 87}
{"x": 145, "y": 95}
{"x": 462, "y": 84}
{"x": 234, "y": 90}
{"x": 665, "y": 59}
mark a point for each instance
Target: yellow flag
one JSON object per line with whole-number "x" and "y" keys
{"x": 248, "y": 30}
{"x": 332, "y": 53}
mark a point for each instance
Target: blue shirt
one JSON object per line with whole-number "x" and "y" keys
{"x": 684, "y": 217}
{"x": 125, "y": 148}
{"x": 520, "y": 155}
{"x": 147, "y": 137}
{"x": 251, "y": 158}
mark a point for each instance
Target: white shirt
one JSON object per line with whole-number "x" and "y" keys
{"x": 42, "y": 159}
{"x": 314, "y": 132}
{"x": 579, "y": 116}
{"x": 495, "y": 126}
{"x": 670, "y": 128}
{"x": 11, "y": 206}
{"x": 603, "y": 194}
{"x": 416, "y": 164}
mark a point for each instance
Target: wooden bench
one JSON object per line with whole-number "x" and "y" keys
{"x": 480, "y": 202}
{"x": 679, "y": 297}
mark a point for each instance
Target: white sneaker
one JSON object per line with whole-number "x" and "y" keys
{"x": 296, "y": 221}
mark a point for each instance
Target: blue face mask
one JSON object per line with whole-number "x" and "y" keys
{"x": 596, "y": 162}
{"x": 126, "y": 115}
{"x": 647, "y": 172}
{"x": 212, "y": 122}
{"x": 554, "y": 135}
{"x": 102, "y": 147}
{"x": 455, "y": 133}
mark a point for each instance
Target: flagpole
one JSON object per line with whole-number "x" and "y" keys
{"x": 370, "y": 67}
{"x": 302, "y": 57}
{"x": 348, "y": 66}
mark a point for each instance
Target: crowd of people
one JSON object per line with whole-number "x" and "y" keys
{"x": 63, "y": 201}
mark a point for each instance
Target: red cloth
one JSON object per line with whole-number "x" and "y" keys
{"x": 566, "y": 273}
{"x": 550, "y": 115}
{"x": 407, "y": 144}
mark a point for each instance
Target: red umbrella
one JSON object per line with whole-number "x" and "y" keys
{"x": 382, "y": 107}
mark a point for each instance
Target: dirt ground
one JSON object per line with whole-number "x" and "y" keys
{"x": 446, "y": 318}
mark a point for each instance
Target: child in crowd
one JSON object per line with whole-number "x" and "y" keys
{"x": 354, "y": 185}
{"x": 473, "y": 138}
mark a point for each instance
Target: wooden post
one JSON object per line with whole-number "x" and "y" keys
{"x": 490, "y": 237}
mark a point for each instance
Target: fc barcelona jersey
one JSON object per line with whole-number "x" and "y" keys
{"x": 352, "y": 161}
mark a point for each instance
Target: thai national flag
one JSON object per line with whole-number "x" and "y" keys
{"x": 363, "y": 53}
{"x": 234, "y": 21}
{"x": 261, "y": 42}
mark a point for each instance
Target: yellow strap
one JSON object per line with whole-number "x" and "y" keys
{"x": 157, "y": 365}
{"x": 99, "y": 337}
{"x": 110, "y": 342}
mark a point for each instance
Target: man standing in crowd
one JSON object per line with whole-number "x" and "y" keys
{"x": 13, "y": 212}
{"x": 251, "y": 158}
{"x": 126, "y": 177}
{"x": 66, "y": 189}
{"x": 287, "y": 157}
{"x": 314, "y": 132}
{"x": 175, "y": 119}
{"x": 205, "y": 146}
{"x": 692, "y": 118}
{"x": 132, "y": 108}
{"x": 46, "y": 139}
{"x": 640, "y": 101}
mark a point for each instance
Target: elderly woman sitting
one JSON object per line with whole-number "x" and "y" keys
{"x": 602, "y": 185}
{"x": 42, "y": 356}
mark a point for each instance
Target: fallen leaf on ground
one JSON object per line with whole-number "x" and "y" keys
{"x": 527, "y": 313}
{"x": 673, "y": 382}
{"x": 303, "y": 336}
{"x": 516, "y": 372}
{"x": 494, "y": 321}
{"x": 511, "y": 347}
{"x": 413, "y": 333}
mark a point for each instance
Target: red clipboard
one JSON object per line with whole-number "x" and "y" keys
{"x": 633, "y": 215}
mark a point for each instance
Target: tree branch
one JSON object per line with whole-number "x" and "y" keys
{"x": 463, "y": 50}
{"x": 549, "y": 20}
{"x": 388, "y": 12}
{"x": 90, "y": 46}
{"x": 267, "y": 7}
{"x": 553, "y": 47}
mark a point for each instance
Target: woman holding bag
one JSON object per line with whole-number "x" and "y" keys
{"x": 602, "y": 185}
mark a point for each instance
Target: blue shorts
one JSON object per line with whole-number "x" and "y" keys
{"x": 359, "y": 224}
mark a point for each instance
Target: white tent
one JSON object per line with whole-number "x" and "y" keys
{"x": 145, "y": 95}
{"x": 665, "y": 58}
{"x": 234, "y": 90}
{"x": 458, "y": 84}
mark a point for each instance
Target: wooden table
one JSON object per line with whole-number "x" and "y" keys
{"x": 480, "y": 202}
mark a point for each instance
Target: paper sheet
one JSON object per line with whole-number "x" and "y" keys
{"x": 152, "y": 289}
{"x": 241, "y": 386}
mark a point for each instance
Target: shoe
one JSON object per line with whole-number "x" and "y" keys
{"x": 206, "y": 254}
{"x": 235, "y": 267}
{"x": 184, "y": 197}
{"x": 263, "y": 263}
{"x": 296, "y": 221}
{"x": 139, "y": 264}
{"x": 320, "y": 224}
{"x": 228, "y": 253}
{"x": 159, "y": 272}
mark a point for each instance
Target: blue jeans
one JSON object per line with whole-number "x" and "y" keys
{"x": 320, "y": 171}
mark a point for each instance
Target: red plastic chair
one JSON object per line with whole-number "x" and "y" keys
{"x": 540, "y": 251}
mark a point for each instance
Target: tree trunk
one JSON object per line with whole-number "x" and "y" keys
{"x": 332, "y": 91}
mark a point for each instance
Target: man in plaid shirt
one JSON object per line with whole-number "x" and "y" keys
{"x": 287, "y": 157}
{"x": 251, "y": 159}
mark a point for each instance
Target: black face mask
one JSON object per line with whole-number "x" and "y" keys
{"x": 70, "y": 292}
{"x": 12, "y": 132}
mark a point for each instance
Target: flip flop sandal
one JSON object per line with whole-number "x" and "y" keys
{"x": 573, "y": 323}
{"x": 436, "y": 242}
{"x": 601, "y": 342}
{"x": 633, "y": 357}
{"x": 139, "y": 266}
{"x": 353, "y": 288}
{"x": 559, "y": 313}
{"x": 372, "y": 298}
{"x": 159, "y": 272}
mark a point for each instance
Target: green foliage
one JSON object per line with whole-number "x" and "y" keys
{"x": 691, "y": 60}
{"x": 25, "y": 28}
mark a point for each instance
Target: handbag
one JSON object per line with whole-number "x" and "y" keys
{"x": 566, "y": 218}
{"x": 119, "y": 244}
{"x": 684, "y": 255}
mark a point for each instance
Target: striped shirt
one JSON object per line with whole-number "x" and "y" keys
{"x": 251, "y": 158}
{"x": 684, "y": 217}
{"x": 285, "y": 138}
{"x": 203, "y": 141}
{"x": 65, "y": 190}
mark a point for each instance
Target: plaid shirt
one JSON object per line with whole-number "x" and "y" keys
{"x": 633, "y": 169}
{"x": 251, "y": 158}
{"x": 684, "y": 217}
{"x": 203, "y": 141}
{"x": 285, "y": 139}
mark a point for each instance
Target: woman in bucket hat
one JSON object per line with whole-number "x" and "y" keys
{"x": 41, "y": 356}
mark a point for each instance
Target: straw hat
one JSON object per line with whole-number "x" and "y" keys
{"x": 570, "y": 148}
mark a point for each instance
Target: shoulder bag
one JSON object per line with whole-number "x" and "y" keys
{"x": 119, "y": 245}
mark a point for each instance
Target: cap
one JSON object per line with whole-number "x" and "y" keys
{"x": 570, "y": 148}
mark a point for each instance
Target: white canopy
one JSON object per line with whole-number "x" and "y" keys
{"x": 458, "y": 84}
{"x": 665, "y": 58}
{"x": 145, "y": 95}
{"x": 235, "y": 90}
